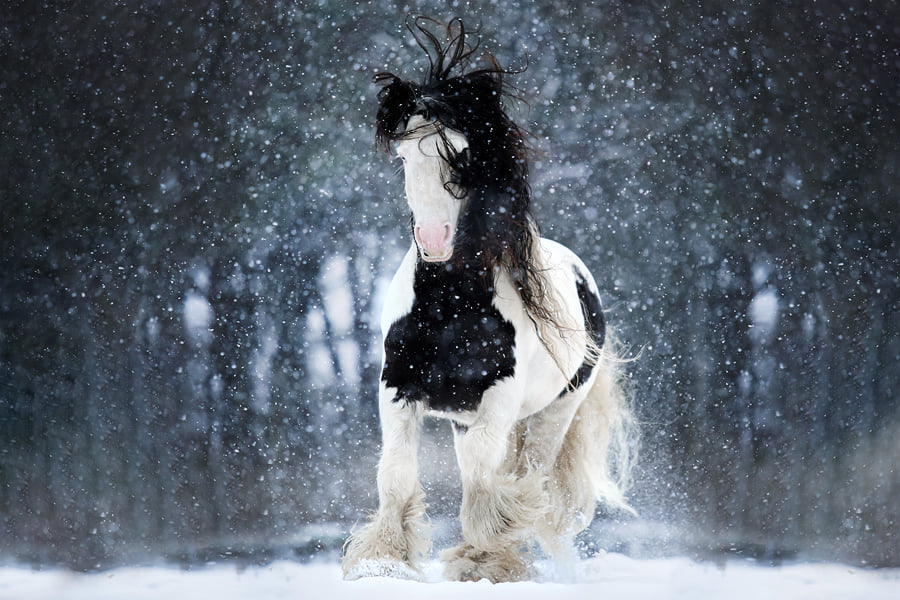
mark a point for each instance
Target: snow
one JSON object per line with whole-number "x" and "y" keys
{"x": 198, "y": 313}
{"x": 606, "y": 576}
{"x": 764, "y": 311}
{"x": 189, "y": 303}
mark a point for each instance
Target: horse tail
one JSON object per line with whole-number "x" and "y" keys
{"x": 600, "y": 447}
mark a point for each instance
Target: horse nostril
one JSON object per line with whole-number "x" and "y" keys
{"x": 433, "y": 238}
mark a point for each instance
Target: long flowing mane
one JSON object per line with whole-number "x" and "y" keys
{"x": 465, "y": 92}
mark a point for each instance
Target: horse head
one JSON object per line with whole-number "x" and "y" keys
{"x": 465, "y": 160}
{"x": 435, "y": 200}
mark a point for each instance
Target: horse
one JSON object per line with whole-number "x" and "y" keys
{"x": 491, "y": 327}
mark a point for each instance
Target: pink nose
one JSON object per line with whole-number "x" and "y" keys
{"x": 433, "y": 238}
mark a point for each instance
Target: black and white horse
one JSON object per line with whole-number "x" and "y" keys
{"x": 492, "y": 327}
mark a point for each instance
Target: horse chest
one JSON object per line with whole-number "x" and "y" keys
{"x": 452, "y": 345}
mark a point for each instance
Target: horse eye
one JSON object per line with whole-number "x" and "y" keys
{"x": 399, "y": 168}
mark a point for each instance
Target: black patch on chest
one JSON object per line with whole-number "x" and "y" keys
{"x": 453, "y": 345}
{"x": 595, "y": 325}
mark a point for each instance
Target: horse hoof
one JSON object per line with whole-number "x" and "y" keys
{"x": 465, "y": 563}
{"x": 380, "y": 567}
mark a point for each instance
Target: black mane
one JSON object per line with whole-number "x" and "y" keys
{"x": 465, "y": 93}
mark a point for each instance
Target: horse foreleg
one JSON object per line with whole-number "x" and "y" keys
{"x": 395, "y": 542}
{"x": 499, "y": 508}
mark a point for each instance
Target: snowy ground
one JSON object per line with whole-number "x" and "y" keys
{"x": 607, "y": 576}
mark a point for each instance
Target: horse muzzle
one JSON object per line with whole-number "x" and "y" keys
{"x": 435, "y": 241}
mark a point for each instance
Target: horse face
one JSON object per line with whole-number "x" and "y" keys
{"x": 435, "y": 210}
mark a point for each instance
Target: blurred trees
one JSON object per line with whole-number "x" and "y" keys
{"x": 195, "y": 228}
{"x": 739, "y": 166}
{"x": 170, "y": 205}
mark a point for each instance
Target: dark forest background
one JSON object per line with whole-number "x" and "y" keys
{"x": 196, "y": 230}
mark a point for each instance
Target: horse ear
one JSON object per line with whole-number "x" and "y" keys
{"x": 385, "y": 79}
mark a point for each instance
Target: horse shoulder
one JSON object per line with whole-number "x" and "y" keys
{"x": 400, "y": 296}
